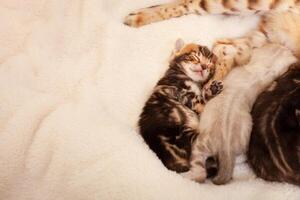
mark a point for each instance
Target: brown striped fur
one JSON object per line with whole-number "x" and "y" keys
{"x": 169, "y": 120}
{"x": 274, "y": 149}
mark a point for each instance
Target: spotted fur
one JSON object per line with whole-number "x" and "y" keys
{"x": 274, "y": 149}
{"x": 169, "y": 120}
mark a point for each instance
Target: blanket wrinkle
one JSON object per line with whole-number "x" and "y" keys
{"x": 73, "y": 81}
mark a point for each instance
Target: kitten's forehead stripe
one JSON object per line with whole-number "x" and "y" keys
{"x": 205, "y": 51}
{"x": 196, "y": 52}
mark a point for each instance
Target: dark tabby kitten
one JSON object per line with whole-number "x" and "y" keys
{"x": 274, "y": 149}
{"x": 169, "y": 121}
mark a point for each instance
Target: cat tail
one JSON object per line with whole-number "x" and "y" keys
{"x": 226, "y": 160}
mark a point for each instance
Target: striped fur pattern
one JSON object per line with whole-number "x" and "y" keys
{"x": 170, "y": 118}
{"x": 274, "y": 148}
{"x": 225, "y": 124}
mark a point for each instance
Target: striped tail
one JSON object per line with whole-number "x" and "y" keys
{"x": 203, "y": 7}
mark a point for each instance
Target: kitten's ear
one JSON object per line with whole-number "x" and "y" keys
{"x": 178, "y": 45}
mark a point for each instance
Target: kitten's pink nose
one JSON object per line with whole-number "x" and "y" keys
{"x": 199, "y": 67}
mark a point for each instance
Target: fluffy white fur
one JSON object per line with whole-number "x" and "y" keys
{"x": 73, "y": 80}
{"x": 225, "y": 124}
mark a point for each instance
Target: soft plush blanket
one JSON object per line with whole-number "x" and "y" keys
{"x": 73, "y": 80}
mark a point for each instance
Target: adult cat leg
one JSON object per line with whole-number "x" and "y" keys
{"x": 234, "y": 52}
{"x": 281, "y": 27}
{"x": 161, "y": 12}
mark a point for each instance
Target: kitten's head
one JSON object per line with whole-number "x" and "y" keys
{"x": 196, "y": 61}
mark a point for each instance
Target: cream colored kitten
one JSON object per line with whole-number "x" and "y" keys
{"x": 225, "y": 123}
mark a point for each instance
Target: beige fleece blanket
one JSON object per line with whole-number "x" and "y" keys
{"x": 73, "y": 80}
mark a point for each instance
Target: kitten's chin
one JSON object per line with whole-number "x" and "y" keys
{"x": 198, "y": 76}
{"x": 199, "y": 79}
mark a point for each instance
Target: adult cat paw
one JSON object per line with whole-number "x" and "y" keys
{"x": 233, "y": 51}
{"x": 133, "y": 20}
{"x": 139, "y": 18}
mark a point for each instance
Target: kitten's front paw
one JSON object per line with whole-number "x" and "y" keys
{"x": 216, "y": 87}
{"x": 212, "y": 89}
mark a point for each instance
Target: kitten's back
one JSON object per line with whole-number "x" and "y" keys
{"x": 274, "y": 149}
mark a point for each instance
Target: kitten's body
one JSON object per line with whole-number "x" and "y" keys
{"x": 274, "y": 148}
{"x": 225, "y": 123}
{"x": 169, "y": 121}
